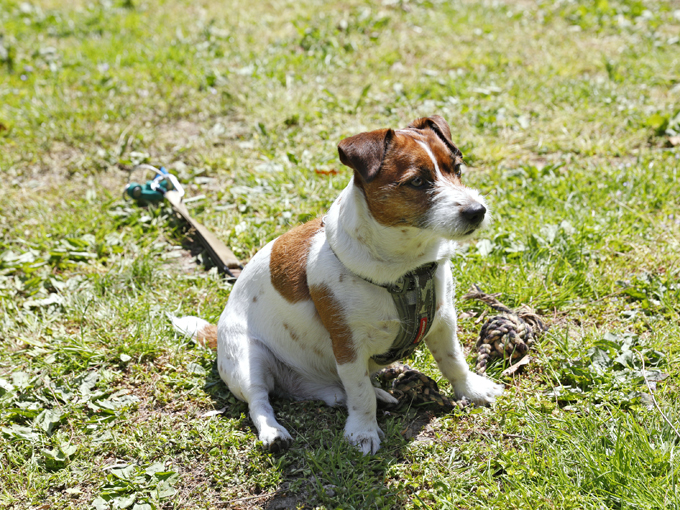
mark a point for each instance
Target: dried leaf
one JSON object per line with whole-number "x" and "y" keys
{"x": 332, "y": 171}
{"x": 512, "y": 369}
{"x": 214, "y": 412}
{"x": 195, "y": 368}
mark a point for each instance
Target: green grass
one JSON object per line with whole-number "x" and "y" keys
{"x": 564, "y": 111}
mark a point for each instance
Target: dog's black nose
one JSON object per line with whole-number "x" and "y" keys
{"x": 474, "y": 214}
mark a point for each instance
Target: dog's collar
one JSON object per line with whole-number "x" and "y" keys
{"x": 415, "y": 298}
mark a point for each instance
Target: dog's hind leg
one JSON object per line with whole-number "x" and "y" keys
{"x": 383, "y": 396}
{"x": 273, "y": 435}
{"x": 332, "y": 394}
{"x": 249, "y": 371}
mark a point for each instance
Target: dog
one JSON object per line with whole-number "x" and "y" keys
{"x": 314, "y": 312}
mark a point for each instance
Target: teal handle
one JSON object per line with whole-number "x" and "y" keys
{"x": 144, "y": 194}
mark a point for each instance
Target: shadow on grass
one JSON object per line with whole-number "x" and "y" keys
{"x": 321, "y": 467}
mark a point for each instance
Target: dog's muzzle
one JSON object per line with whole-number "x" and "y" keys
{"x": 473, "y": 215}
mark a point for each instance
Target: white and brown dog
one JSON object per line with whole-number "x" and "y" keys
{"x": 309, "y": 312}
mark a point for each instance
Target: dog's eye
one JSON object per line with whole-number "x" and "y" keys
{"x": 458, "y": 169}
{"x": 417, "y": 182}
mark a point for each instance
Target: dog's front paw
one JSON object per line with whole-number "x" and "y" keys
{"x": 275, "y": 439}
{"x": 478, "y": 389}
{"x": 366, "y": 439}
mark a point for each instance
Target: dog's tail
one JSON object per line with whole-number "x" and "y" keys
{"x": 198, "y": 329}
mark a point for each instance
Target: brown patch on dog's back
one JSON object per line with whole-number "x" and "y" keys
{"x": 333, "y": 319}
{"x": 207, "y": 336}
{"x": 288, "y": 261}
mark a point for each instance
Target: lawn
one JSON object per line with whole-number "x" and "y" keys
{"x": 567, "y": 114}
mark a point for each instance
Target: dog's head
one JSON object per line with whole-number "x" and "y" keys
{"x": 411, "y": 177}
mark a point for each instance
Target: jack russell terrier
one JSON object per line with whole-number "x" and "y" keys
{"x": 322, "y": 307}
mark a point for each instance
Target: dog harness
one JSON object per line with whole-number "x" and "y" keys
{"x": 414, "y": 296}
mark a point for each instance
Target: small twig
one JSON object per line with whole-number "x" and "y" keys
{"x": 482, "y": 317}
{"x": 259, "y": 496}
{"x": 651, "y": 393}
{"x": 606, "y": 296}
{"x": 517, "y": 436}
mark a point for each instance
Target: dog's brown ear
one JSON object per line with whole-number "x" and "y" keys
{"x": 440, "y": 127}
{"x": 428, "y": 122}
{"x": 364, "y": 152}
